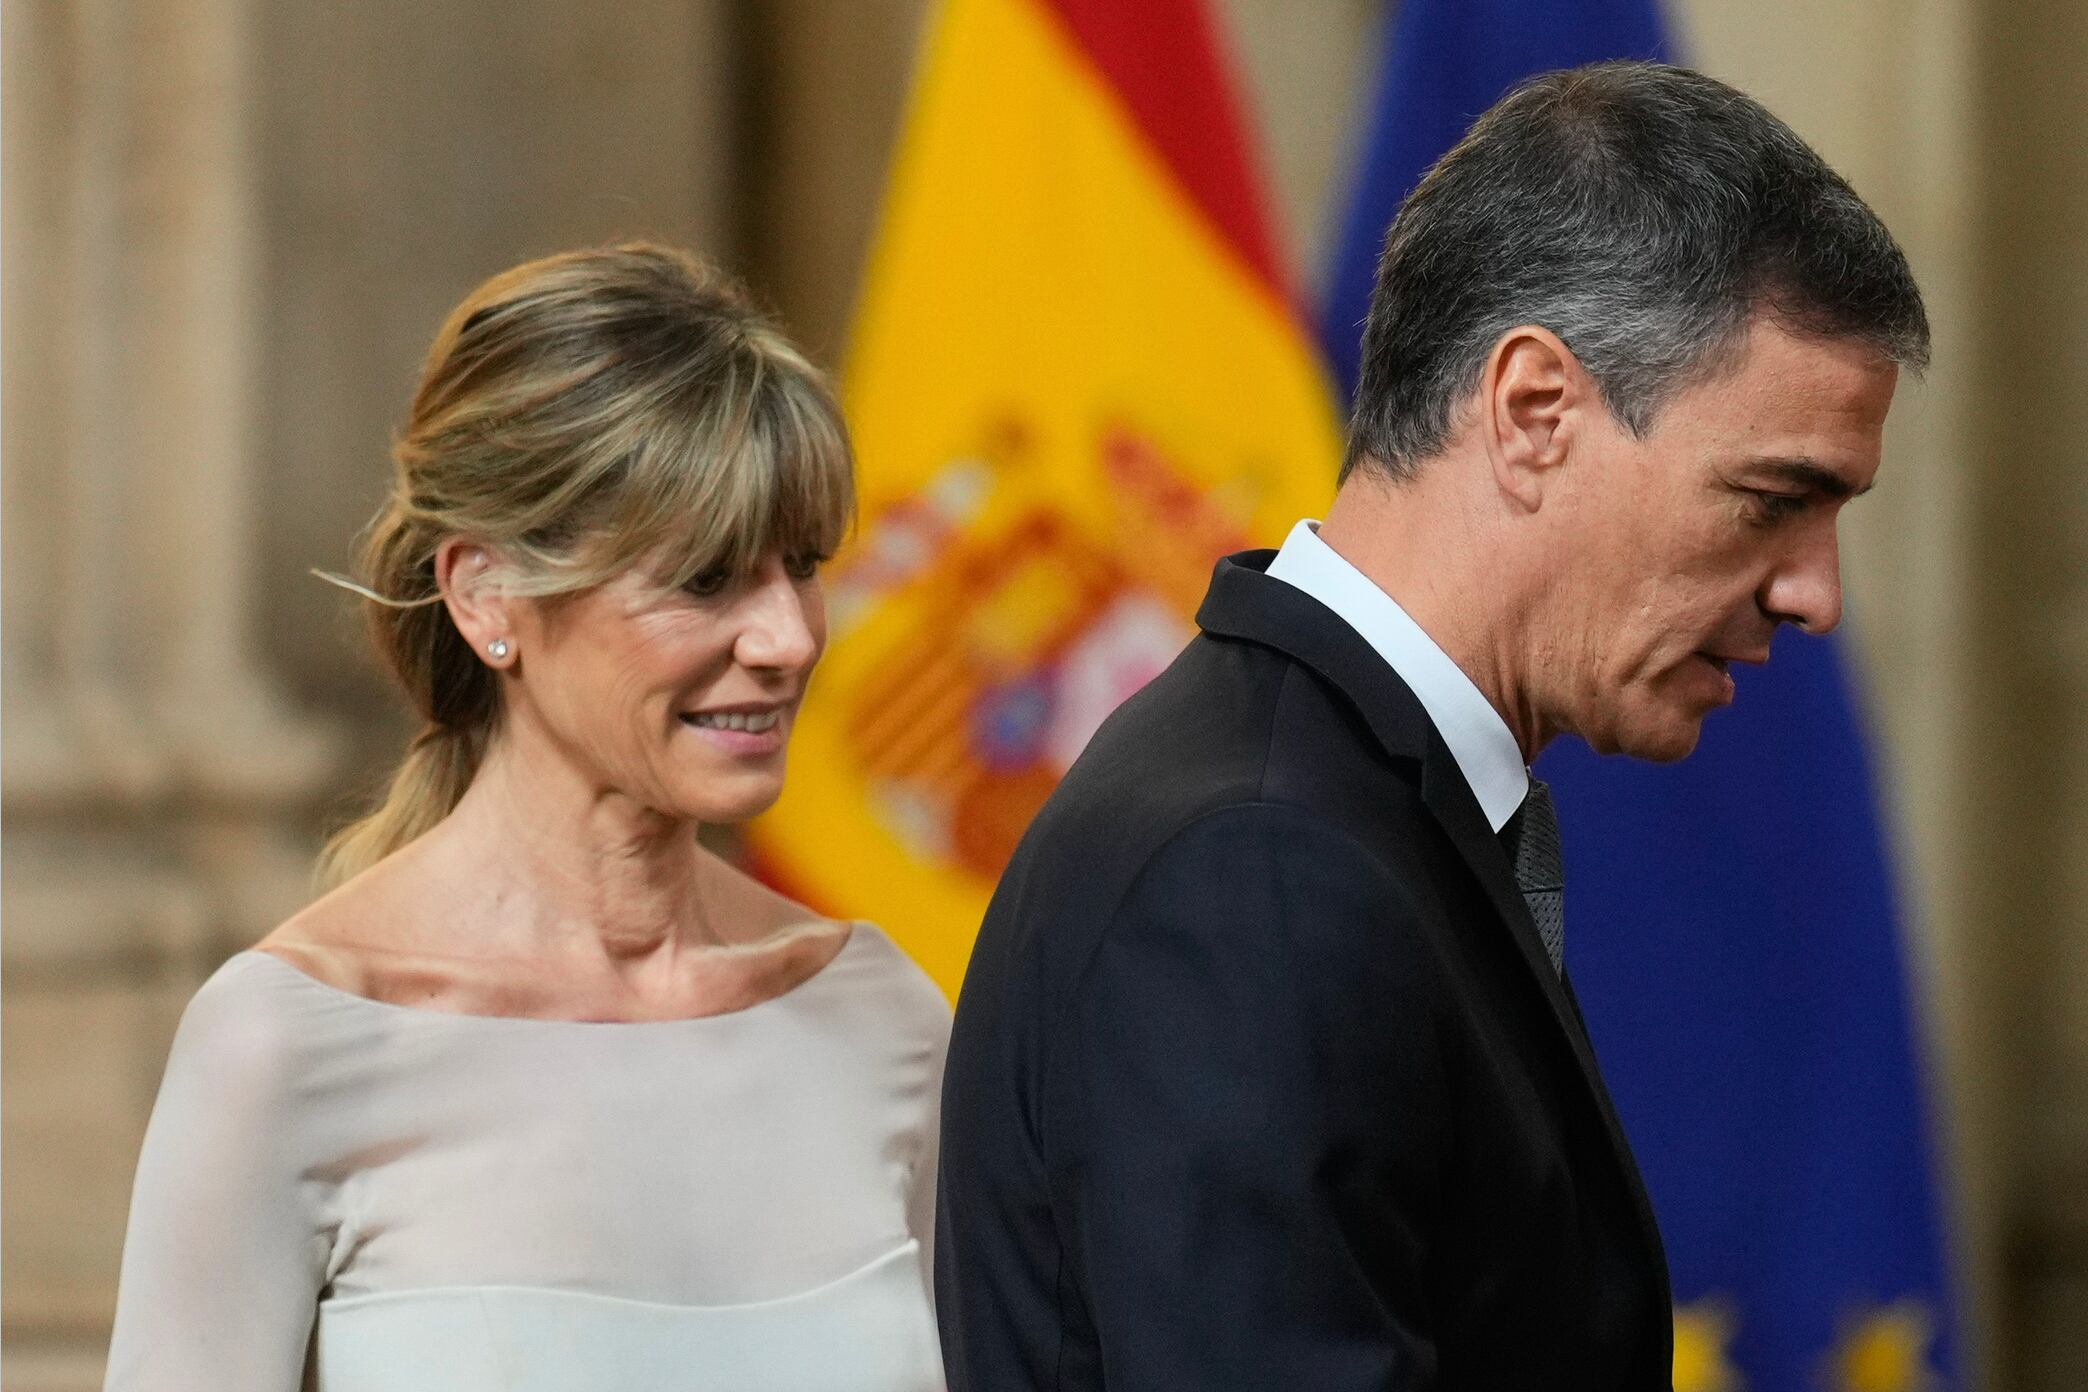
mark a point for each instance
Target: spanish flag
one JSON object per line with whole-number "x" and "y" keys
{"x": 1076, "y": 380}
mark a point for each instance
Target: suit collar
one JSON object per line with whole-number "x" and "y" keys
{"x": 1245, "y": 603}
{"x": 1486, "y": 751}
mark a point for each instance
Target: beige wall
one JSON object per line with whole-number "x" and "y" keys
{"x": 1888, "y": 94}
{"x": 230, "y": 226}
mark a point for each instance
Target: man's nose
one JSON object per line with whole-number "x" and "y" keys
{"x": 1805, "y": 587}
{"x": 775, "y": 629}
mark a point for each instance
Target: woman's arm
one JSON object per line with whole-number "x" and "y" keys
{"x": 225, "y": 1253}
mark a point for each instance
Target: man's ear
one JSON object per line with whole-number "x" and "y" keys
{"x": 1529, "y": 393}
{"x": 464, "y": 573}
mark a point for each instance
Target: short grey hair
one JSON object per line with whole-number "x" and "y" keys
{"x": 1643, "y": 213}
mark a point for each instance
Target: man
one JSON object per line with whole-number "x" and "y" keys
{"x": 1266, "y": 1073}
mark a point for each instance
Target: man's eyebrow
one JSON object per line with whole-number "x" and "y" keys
{"x": 1810, "y": 474}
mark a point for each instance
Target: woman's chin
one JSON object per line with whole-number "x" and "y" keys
{"x": 731, "y": 798}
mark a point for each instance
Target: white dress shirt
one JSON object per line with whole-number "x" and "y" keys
{"x": 1480, "y": 741}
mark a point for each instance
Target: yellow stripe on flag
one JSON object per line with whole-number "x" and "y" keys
{"x": 1069, "y": 396}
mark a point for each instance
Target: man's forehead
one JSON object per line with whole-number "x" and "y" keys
{"x": 1794, "y": 398}
{"x": 1780, "y": 366}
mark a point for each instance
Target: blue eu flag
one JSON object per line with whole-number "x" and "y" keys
{"x": 1735, "y": 936}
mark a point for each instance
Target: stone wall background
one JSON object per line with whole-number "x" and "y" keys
{"x": 231, "y": 225}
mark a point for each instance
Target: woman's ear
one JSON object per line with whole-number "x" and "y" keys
{"x": 465, "y": 573}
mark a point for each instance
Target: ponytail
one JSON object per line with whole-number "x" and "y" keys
{"x": 431, "y": 779}
{"x": 455, "y": 694}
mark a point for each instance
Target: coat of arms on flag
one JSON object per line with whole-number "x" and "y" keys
{"x": 1076, "y": 381}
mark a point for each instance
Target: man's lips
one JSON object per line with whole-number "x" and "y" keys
{"x": 1722, "y": 665}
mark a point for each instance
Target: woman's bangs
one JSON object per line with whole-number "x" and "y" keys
{"x": 781, "y": 484}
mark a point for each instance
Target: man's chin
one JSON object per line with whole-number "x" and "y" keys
{"x": 1668, "y": 741}
{"x": 1666, "y": 751}
{"x": 1664, "y": 737}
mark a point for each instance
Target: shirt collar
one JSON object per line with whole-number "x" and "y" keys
{"x": 1478, "y": 738}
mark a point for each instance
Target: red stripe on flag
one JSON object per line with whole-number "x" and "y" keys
{"x": 1162, "y": 58}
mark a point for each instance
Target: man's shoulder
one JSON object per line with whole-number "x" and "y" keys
{"x": 1230, "y": 723}
{"x": 1195, "y": 738}
{"x": 1233, "y": 734}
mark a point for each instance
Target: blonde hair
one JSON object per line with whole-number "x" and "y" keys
{"x": 581, "y": 415}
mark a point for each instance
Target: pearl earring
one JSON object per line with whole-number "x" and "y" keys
{"x": 497, "y": 649}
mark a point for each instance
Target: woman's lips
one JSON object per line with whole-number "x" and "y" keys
{"x": 742, "y": 731}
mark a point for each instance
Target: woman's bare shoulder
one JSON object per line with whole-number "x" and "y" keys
{"x": 348, "y": 936}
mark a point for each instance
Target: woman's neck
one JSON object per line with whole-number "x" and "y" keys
{"x": 573, "y": 867}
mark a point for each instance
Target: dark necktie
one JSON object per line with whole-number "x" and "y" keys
{"x": 1532, "y": 840}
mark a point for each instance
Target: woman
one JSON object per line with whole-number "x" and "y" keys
{"x": 543, "y": 1094}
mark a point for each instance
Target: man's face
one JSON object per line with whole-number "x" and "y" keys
{"x": 1689, "y": 546}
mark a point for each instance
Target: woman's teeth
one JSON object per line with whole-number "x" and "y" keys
{"x": 735, "y": 720}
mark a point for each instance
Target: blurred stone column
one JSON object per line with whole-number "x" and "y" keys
{"x": 231, "y": 228}
{"x": 188, "y": 276}
{"x": 150, "y": 765}
{"x": 2030, "y": 592}
{"x": 52, "y": 352}
{"x": 835, "y": 86}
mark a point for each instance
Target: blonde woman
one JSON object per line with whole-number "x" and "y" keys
{"x": 542, "y": 1094}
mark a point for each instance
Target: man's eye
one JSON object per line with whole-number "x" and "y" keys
{"x": 803, "y": 567}
{"x": 1774, "y": 507}
{"x": 706, "y": 583}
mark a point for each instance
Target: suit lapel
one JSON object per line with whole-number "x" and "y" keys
{"x": 1449, "y": 797}
{"x": 1245, "y": 603}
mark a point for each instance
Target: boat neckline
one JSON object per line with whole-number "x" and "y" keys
{"x": 856, "y": 933}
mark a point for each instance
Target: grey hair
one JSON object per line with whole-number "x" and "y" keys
{"x": 1643, "y": 213}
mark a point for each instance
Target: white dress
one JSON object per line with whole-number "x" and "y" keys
{"x": 397, "y": 1199}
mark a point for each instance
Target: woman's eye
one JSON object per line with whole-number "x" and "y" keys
{"x": 803, "y": 567}
{"x": 704, "y": 584}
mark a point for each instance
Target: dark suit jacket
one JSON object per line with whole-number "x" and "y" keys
{"x": 1260, "y": 1077}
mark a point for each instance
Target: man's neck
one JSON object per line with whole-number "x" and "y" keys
{"x": 1435, "y": 551}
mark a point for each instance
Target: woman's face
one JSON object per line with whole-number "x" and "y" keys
{"x": 682, "y": 702}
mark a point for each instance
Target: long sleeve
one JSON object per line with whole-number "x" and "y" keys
{"x": 920, "y": 1199}
{"x": 1252, "y": 1107}
{"x": 225, "y": 1254}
